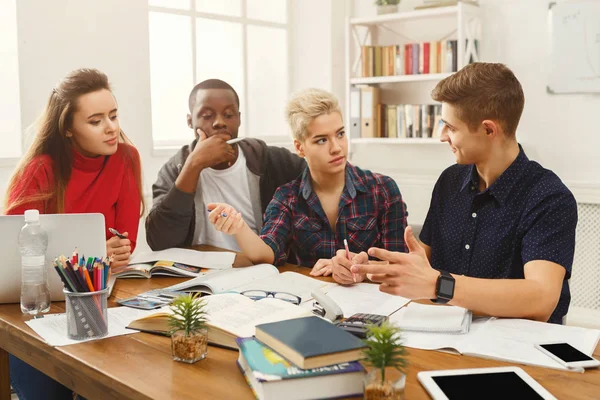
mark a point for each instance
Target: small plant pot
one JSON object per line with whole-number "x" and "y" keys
{"x": 388, "y": 389}
{"x": 190, "y": 348}
{"x": 387, "y": 9}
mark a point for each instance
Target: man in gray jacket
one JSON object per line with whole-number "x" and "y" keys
{"x": 245, "y": 174}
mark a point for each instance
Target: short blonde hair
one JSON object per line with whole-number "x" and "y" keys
{"x": 305, "y": 106}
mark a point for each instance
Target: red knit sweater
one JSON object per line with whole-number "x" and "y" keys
{"x": 104, "y": 184}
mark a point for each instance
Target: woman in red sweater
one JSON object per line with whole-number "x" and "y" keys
{"x": 80, "y": 162}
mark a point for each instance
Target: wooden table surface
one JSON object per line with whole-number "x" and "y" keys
{"x": 139, "y": 366}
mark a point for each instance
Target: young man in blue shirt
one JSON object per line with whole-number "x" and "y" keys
{"x": 499, "y": 236}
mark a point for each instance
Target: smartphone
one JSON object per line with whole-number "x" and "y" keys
{"x": 141, "y": 303}
{"x": 568, "y": 355}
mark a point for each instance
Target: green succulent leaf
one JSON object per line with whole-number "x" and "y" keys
{"x": 384, "y": 348}
{"x": 189, "y": 314}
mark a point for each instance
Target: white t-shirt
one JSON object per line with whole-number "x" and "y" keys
{"x": 226, "y": 186}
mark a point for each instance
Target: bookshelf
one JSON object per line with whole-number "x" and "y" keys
{"x": 460, "y": 23}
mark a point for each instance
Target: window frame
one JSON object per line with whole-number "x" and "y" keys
{"x": 165, "y": 147}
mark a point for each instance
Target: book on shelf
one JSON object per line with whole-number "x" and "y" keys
{"x": 504, "y": 339}
{"x": 230, "y": 315}
{"x": 257, "y": 277}
{"x": 405, "y": 121}
{"x": 271, "y": 376}
{"x": 411, "y": 58}
{"x": 310, "y": 342}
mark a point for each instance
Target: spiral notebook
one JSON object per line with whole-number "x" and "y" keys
{"x": 433, "y": 318}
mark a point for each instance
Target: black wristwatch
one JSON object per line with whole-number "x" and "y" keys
{"x": 444, "y": 288}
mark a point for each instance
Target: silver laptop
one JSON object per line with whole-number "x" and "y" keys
{"x": 65, "y": 232}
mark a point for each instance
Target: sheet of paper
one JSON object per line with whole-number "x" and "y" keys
{"x": 204, "y": 259}
{"x": 365, "y": 298}
{"x": 438, "y": 340}
{"x": 514, "y": 340}
{"x": 53, "y": 327}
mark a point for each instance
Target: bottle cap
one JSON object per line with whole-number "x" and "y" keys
{"x": 32, "y": 216}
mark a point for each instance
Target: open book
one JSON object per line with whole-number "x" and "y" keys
{"x": 510, "y": 340}
{"x": 174, "y": 262}
{"x": 231, "y": 315}
{"x": 257, "y": 277}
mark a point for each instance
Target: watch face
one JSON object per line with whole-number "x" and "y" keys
{"x": 446, "y": 287}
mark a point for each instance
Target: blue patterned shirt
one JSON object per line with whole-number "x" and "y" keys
{"x": 526, "y": 214}
{"x": 371, "y": 213}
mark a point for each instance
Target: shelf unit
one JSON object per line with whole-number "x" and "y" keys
{"x": 461, "y": 22}
{"x": 397, "y": 140}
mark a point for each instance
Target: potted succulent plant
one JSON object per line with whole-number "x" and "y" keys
{"x": 387, "y": 6}
{"x": 384, "y": 349}
{"x": 189, "y": 336}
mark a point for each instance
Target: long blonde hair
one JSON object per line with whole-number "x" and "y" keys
{"x": 51, "y": 139}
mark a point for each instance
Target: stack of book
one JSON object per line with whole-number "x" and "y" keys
{"x": 303, "y": 358}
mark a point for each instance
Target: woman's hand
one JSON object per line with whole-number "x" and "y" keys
{"x": 120, "y": 249}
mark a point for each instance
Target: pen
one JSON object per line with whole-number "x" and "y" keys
{"x": 348, "y": 257}
{"x": 222, "y": 214}
{"x": 117, "y": 233}
{"x": 232, "y": 141}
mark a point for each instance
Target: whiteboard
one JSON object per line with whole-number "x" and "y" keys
{"x": 574, "y": 41}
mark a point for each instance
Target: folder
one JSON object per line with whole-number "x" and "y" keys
{"x": 354, "y": 112}
{"x": 368, "y": 106}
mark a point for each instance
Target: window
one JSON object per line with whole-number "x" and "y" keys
{"x": 10, "y": 101}
{"x": 242, "y": 42}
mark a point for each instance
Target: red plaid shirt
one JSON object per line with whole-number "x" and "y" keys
{"x": 371, "y": 213}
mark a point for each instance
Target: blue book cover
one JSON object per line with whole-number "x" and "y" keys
{"x": 267, "y": 365}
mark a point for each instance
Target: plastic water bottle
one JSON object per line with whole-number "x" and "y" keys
{"x": 33, "y": 242}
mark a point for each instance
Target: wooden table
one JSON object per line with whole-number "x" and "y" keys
{"x": 139, "y": 366}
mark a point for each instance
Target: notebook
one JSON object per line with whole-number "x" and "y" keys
{"x": 162, "y": 268}
{"x": 310, "y": 342}
{"x": 272, "y": 377}
{"x": 433, "y": 318}
{"x": 175, "y": 262}
{"x": 231, "y": 315}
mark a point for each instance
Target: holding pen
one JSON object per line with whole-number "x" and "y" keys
{"x": 349, "y": 258}
{"x": 233, "y": 141}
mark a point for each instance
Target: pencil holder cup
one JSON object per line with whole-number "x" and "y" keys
{"x": 87, "y": 317}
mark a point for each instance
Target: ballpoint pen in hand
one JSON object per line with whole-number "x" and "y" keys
{"x": 348, "y": 257}
{"x": 232, "y": 141}
{"x": 117, "y": 233}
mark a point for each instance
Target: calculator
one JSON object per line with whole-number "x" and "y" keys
{"x": 357, "y": 324}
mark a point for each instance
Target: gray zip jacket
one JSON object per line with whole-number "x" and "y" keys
{"x": 176, "y": 217}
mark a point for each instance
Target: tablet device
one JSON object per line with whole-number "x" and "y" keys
{"x": 482, "y": 383}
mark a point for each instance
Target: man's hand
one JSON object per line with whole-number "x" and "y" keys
{"x": 225, "y": 218}
{"x": 211, "y": 151}
{"x": 120, "y": 249}
{"x": 407, "y": 275}
{"x": 341, "y": 267}
{"x": 322, "y": 267}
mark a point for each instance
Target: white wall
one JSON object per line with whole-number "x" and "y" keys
{"x": 556, "y": 130}
{"x": 112, "y": 35}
